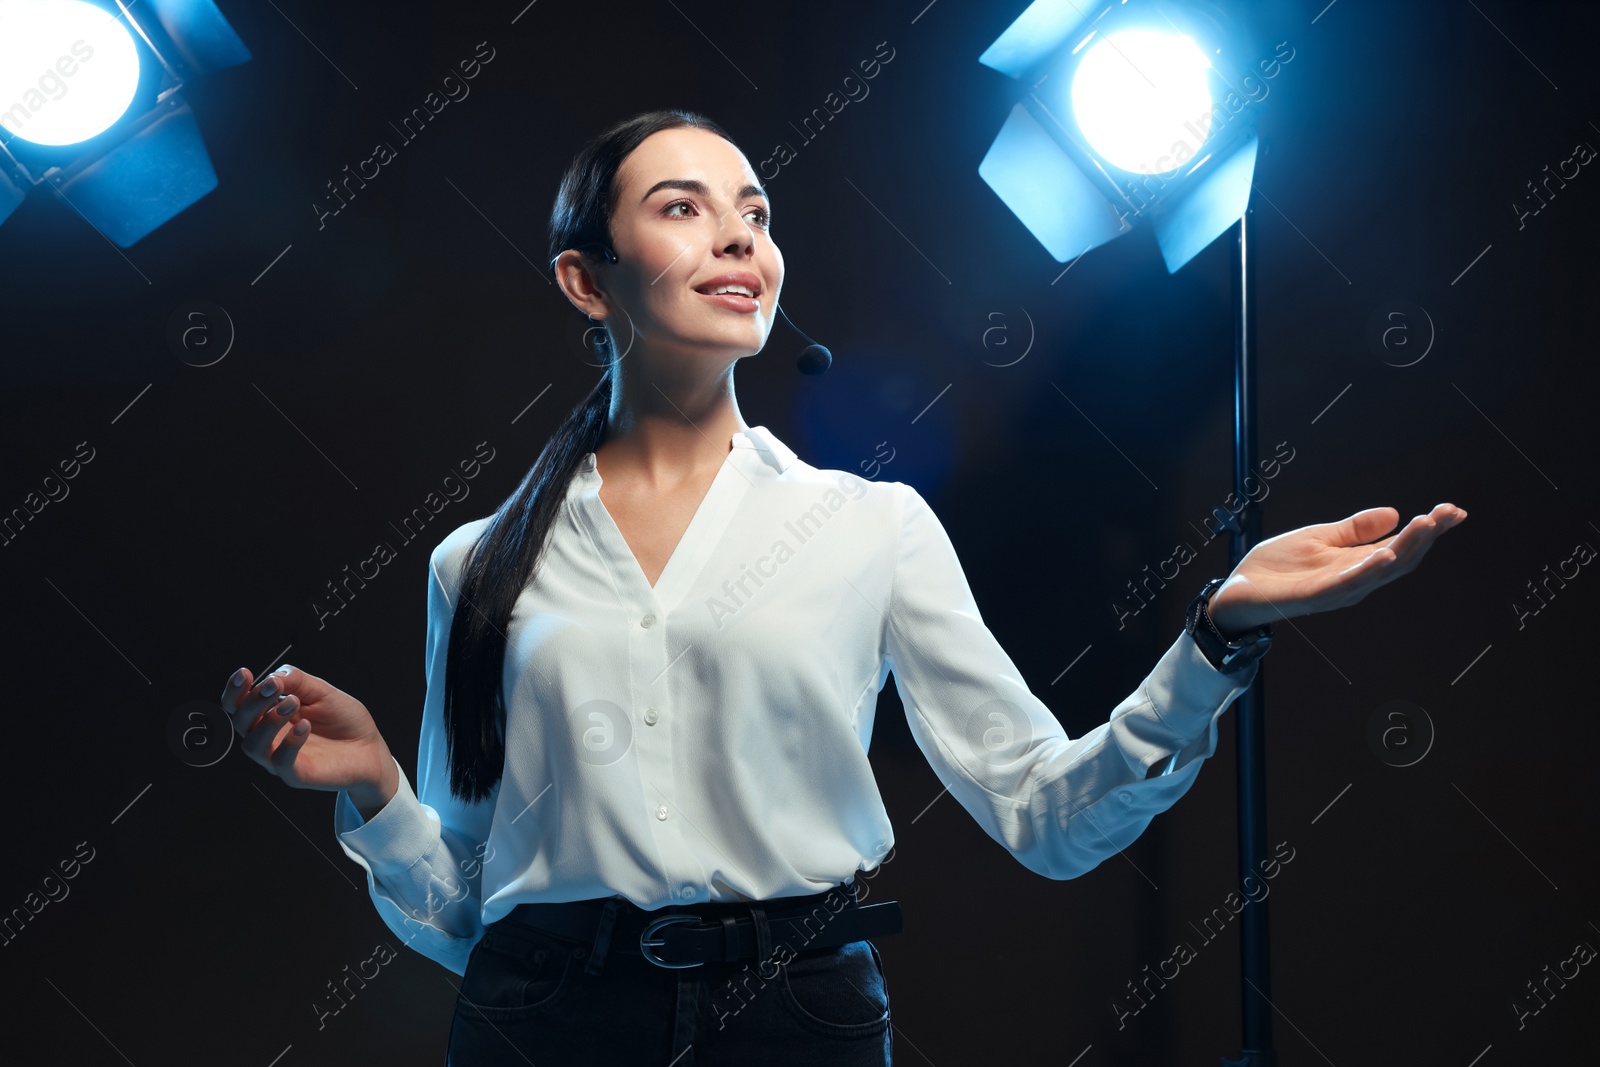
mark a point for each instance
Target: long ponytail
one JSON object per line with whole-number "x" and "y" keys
{"x": 503, "y": 559}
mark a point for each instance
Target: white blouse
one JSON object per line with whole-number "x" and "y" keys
{"x": 706, "y": 739}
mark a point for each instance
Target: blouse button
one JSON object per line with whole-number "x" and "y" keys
{"x": 1125, "y": 796}
{"x": 648, "y": 621}
{"x": 661, "y": 812}
{"x": 650, "y": 716}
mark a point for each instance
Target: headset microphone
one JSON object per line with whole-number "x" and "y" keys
{"x": 813, "y": 359}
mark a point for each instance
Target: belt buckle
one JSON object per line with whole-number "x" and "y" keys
{"x": 646, "y": 942}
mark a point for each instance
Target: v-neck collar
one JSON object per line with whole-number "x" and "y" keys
{"x": 754, "y": 453}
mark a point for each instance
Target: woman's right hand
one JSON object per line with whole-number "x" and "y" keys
{"x": 341, "y": 747}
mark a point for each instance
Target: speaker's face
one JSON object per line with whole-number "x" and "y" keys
{"x": 690, "y": 220}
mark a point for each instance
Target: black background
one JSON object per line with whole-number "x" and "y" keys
{"x": 382, "y": 347}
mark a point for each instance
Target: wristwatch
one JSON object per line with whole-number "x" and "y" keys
{"x": 1229, "y": 657}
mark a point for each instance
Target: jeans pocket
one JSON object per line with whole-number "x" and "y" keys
{"x": 512, "y": 976}
{"x": 838, "y": 992}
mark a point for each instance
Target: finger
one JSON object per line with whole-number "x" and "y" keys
{"x": 242, "y": 702}
{"x": 259, "y": 741}
{"x": 282, "y": 758}
{"x": 250, "y": 703}
{"x": 235, "y": 687}
{"x": 1420, "y": 547}
{"x": 1413, "y": 542}
{"x": 1399, "y": 554}
{"x": 1410, "y": 544}
{"x": 1373, "y": 570}
{"x": 308, "y": 687}
{"x": 1363, "y": 526}
{"x": 1374, "y": 565}
{"x": 257, "y": 699}
{"x": 1407, "y": 539}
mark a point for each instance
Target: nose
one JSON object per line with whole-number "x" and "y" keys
{"x": 734, "y": 234}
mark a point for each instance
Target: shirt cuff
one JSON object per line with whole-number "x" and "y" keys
{"x": 1186, "y": 691}
{"x": 401, "y": 833}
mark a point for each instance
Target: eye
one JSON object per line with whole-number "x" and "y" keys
{"x": 763, "y": 216}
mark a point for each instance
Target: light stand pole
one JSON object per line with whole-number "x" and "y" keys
{"x": 1073, "y": 175}
{"x": 1255, "y": 964}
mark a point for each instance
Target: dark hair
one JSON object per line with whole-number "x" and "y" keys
{"x": 503, "y": 558}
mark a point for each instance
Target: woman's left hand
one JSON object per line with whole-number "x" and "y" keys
{"x": 1326, "y": 566}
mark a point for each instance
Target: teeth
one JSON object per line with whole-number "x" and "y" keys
{"x": 739, "y": 289}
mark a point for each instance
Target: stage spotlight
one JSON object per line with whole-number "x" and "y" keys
{"x": 1133, "y": 92}
{"x": 1145, "y": 111}
{"x": 67, "y": 69}
{"x": 1117, "y": 108}
{"x": 91, "y": 102}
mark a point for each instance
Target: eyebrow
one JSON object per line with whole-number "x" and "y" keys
{"x": 694, "y": 186}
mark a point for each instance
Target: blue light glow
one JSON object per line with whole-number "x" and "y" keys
{"x": 1138, "y": 95}
{"x": 68, "y": 70}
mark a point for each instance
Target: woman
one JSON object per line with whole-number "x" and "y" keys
{"x": 644, "y": 793}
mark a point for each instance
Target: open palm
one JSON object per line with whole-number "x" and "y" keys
{"x": 1325, "y": 566}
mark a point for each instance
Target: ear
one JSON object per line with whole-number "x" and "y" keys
{"x": 577, "y": 279}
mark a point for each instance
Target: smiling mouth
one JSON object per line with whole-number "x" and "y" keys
{"x": 735, "y": 302}
{"x": 728, "y": 290}
{"x": 744, "y": 284}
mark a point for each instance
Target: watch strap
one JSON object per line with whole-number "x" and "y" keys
{"x": 1229, "y": 657}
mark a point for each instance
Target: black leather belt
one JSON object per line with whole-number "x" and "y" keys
{"x": 684, "y": 937}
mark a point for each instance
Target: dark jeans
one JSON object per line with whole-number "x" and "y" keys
{"x": 530, "y": 997}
